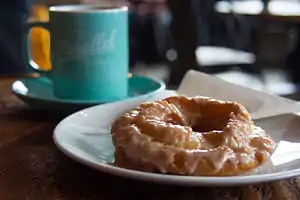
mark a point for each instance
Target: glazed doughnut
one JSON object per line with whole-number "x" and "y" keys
{"x": 197, "y": 136}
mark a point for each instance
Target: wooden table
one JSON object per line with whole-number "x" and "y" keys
{"x": 31, "y": 168}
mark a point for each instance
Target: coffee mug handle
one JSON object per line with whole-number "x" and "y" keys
{"x": 28, "y": 59}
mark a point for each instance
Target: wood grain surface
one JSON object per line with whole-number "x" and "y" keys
{"x": 31, "y": 168}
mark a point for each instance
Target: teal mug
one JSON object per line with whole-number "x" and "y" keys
{"x": 89, "y": 51}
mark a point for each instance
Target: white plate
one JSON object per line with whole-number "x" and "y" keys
{"x": 84, "y": 136}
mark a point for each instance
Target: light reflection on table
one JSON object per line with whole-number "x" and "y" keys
{"x": 256, "y": 7}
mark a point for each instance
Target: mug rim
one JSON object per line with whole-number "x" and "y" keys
{"x": 80, "y": 9}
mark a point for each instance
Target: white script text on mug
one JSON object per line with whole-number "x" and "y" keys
{"x": 98, "y": 44}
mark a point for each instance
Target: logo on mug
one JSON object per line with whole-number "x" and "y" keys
{"x": 98, "y": 44}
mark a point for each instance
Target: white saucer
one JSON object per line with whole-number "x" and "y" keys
{"x": 84, "y": 136}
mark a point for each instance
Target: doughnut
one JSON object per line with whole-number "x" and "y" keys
{"x": 191, "y": 136}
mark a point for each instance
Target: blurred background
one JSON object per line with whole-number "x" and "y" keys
{"x": 254, "y": 43}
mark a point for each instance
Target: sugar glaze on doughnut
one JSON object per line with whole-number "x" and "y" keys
{"x": 196, "y": 136}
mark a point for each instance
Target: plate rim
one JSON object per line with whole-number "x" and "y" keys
{"x": 161, "y": 87}
{"x": 167, "y": 179}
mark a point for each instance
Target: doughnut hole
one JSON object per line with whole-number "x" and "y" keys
{"x": 212, "y": 119}
{"x": 204, "y": 125}
{"x": 212, "y": 129}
